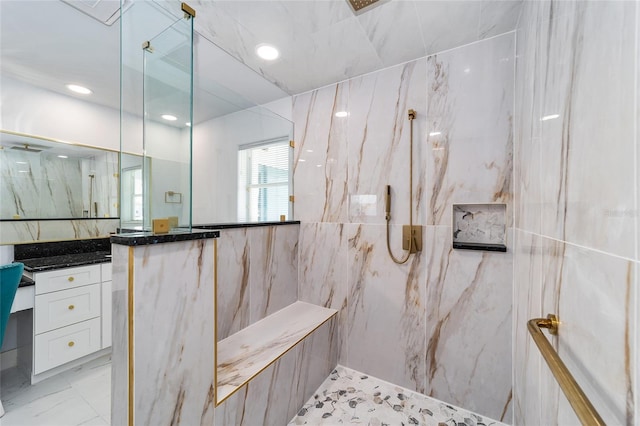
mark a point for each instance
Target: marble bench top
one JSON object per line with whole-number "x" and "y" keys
{"x": 246, "y": 353}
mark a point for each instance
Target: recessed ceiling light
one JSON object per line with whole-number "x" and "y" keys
{"x": 21, "y": 162}
{"x": 62, "y": 156}
{"x": 302, "y": 160}
{"x": 341, "y": 114}
{"x": 187, "y": 124}
{"x": 549, "y": 117}
{"x": 169, "y": 117}
{"x": 435, "y": 133}
{"x": 267, "y": 52}
{"x": 79, "y": 89}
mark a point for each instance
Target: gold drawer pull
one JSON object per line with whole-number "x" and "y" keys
{"x": 71, "y": 307}
{"x": 70, "y": 279}
{"x": 71, "y": 343}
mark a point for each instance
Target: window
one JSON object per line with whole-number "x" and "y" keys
{"x": 132, "y": 195}
{"x": 264, "y": 181}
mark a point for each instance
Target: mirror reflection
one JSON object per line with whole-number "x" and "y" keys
{"x": 42, "y": 179}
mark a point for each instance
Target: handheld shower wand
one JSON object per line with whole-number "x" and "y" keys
{"x": 387, "y": 204}
{"x": 413, "y": 238}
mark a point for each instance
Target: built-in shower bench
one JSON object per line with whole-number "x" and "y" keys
{"x": 246, "y": 353}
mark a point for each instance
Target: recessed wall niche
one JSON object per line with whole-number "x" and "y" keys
{"x": 479, "y": 227}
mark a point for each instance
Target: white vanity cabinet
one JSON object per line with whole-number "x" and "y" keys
{"x": 70, "y": 309}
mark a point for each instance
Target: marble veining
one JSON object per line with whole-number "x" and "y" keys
{"x": 18, "y": 232}
{"x": 42, "y": 185}
{"x": 414, "y": 316}
{"x": 350, "y": 397}
{"x": 576, "y": 159}
{"x": 242, "y": 355}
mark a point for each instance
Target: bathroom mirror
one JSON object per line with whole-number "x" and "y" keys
{"x": 47, "y": 179}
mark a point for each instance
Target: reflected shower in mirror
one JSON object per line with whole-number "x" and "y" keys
{"x": 45, "y": 179}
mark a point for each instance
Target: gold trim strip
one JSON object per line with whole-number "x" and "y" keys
{"x": 579, "y": 402}
{"x": 215, "y": 320}
{"x": 130, "y": 310}
{"x": 272, "y": 362}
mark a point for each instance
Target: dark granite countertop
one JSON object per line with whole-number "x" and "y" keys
{"x": 146, "y": 238}
{"x": 26, "y": 281}
{"x": 40, "y": 264}
{"x": 243, "y": 224}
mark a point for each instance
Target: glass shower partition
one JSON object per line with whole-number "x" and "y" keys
{"x": 156, "y": 114}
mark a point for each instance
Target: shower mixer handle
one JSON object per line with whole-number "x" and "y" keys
{"x": 387, "y": 203}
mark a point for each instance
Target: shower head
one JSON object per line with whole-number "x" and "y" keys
{"x": 29, "y": 147}
{"x": 361, "y": 6}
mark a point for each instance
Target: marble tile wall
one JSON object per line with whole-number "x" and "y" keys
{"x": 276, "y": 394}
{"x": 576, "y": 209}
{"x": 257, "y": 274}
{"x": 27, "y": 231}
{"x": 42, "y": 185}
{"x": 173, "y": 333}
{"x": 440, "y": 324}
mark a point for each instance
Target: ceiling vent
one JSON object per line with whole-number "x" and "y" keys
{"x": 105, "y": 11}
{"x": 361, "y": 6}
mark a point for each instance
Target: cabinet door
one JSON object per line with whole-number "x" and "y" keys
{"x": 106, "y": 314}
{"x": 66, "y": 307}
{"x": 62, "y": 279}
{"x": 65, "y": 344}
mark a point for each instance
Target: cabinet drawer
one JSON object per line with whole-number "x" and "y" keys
{"x": 66, "y": 307}
{"x": 106, "y": 271}
{"x": 61, "y": 279}
{"x": 65, "y": 344}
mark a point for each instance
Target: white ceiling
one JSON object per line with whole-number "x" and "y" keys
{"x": 49, "y": 44}
{"x": 322, "y": 42}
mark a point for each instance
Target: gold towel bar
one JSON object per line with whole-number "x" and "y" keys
{"x": 581, "y": 405}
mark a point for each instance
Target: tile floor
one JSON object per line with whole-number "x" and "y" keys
{"x": 80, "y": 396}
{"x": 350, "y": 397}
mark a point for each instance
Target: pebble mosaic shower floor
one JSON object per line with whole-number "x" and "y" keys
{"x": 349, "y": 397}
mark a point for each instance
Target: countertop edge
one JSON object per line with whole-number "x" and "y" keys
{"x": 147, "y": 238}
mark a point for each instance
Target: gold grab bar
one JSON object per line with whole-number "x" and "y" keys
{"x": 579, "y": 402}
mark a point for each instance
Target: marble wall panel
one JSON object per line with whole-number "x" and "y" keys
{"x": 273, "y": 272}
{"x": 322, "y": 272}
{"x": 233, "y": 289}
{"x": 387, "y": 307}
{"x": 587, "y": 164}
{"x": 593, "y": 295}
{"x": 42, "y": 185}
{"x": 268, "y": 399}
{"x": 317, "y": 357}
{"x": 527, "y": 149}
{"x": 468, "y": 326}
{"x": 257, "y": 274}
{"x": 320, "y": 155}
{"x": 379, "y": 135}
{"x": 27, "y": 231}
{"x": 174, "y": 333}
{"x": 469, "y": 125}
{"x": 386, "y": 310}
{"x": 528, "y": 256}
{"x": 119, "y": 337}
{"x": 38, "y": 185}
{"x": 276, "y": 394}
